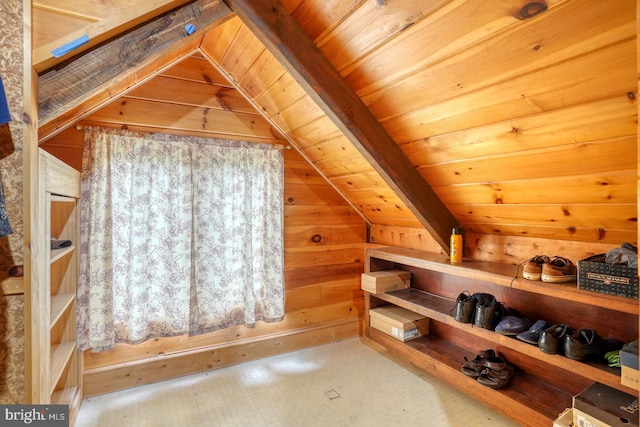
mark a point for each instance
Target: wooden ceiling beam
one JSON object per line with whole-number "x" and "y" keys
{"x": 47, "y": 56}
{"x": 79, "y": 79}
{"x": 284, "y": 38}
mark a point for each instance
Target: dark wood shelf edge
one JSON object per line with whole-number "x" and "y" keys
{"x": 595, "y": 372}
{"x": 444, "y": 361}
{"x": 503, "y": 275}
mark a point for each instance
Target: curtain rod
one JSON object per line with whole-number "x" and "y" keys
{"x": 81, "y": 127}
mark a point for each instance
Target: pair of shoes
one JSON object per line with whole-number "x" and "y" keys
{"x": 482, "y": 360}
{"x": 532, "y": 335}
{"x": 488, "y": 369}
{"x": 532, "y": 269}
{"x": 496, "y": 378}
{"x": 481, "y": 309}
{"x": 552, "y": 338}
{"x": 553, "y": 270}
{"x": 512, "y": 325}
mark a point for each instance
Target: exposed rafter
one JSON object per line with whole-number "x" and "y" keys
{"x": 45, "y": 57}
{"x": 81, "y": 78}
{"x": 284, "y": 38}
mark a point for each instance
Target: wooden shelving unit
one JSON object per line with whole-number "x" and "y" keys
{"x": 54, "y": 372}
{"x": 544, "y": 384}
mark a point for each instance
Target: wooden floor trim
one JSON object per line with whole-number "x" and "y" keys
{"x": 125, "y": 375}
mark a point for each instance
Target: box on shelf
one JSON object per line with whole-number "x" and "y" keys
{"x": 565, "y": 419}
{"x": 613, "y": 279}
{"x": 378, "y": 282}
{"x": 398, "y": 322}
{"x": 602, "y": 406}
{"x": 629, "y": 374}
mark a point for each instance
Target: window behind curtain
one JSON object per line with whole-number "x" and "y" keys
{"x": 179, "y": 235}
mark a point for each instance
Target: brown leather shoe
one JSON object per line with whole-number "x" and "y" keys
{"x": 552, "y": 339}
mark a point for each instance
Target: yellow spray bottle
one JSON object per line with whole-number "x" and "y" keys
{"x": 455, "y": 254}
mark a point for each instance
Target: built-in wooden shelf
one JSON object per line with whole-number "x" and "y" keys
{"x": 64, "y": 397}
{"x": 439, "y": 309}
{"x": 60, "y": 356}
{"x": 59, "y": 304}
{"x": 504, "y": 275}
{"x": 57, "y": 254}
{"x": 53, "y": 373}
{"x": 544, "y": 384}
{"x": 526, "y": 397}
{"x": 62, "y": 199}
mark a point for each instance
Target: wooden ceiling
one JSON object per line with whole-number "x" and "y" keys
{"x": 519, "y": 127}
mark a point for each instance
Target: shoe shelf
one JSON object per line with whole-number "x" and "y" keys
{"x": 544, "y": 384}
{"x": 502, "y": 275}
{"x": 438, "y": 309}
{"x": 527, "y": 400}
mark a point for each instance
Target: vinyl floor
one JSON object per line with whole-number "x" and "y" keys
{"x": 350, "y": 383}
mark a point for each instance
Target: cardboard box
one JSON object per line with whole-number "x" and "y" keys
{"x": 378, "y": 282}
{"x": 580, "y": 419}
{"x": 629, "y": 374}
{"x": 630, "y": 377}
{"x": 629, "y": 355}
{"x": 564, "y": 419}
{"x": 603, "y": 406}
{"x": 614, "y": 279}
{"x": 399, "y": 322}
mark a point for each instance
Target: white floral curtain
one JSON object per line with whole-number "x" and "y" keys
{"x": 178, "y": 235}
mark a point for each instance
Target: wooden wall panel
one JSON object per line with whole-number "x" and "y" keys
{"x": 506, "y": 248}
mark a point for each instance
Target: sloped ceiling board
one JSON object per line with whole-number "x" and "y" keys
{"x": 83, "y": 78}
{"x": 284, "y": 38}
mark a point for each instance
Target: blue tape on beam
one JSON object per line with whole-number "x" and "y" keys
{"x": 63, "y": 50}
{"x": 190, "y": 29}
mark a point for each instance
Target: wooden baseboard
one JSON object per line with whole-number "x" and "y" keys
{"x": 125, "y": 375}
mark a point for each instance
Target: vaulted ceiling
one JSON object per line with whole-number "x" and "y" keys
{"x": 421, "y": 114}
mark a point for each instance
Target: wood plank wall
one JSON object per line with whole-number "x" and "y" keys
{"x": 324, "y": 254}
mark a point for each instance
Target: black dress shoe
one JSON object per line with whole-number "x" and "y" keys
{"x": 552, "y": 339}
{"x": 488, "y": 311}
{"x": 465, "y": 307}
{"x": 583, "y": 344}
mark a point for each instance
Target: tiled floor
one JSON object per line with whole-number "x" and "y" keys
{"x": 349, "y": 383}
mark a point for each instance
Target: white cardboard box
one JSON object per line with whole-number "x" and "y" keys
{"x": 382, "y": 281}
{"x": 400, "y": 323}
{"x": 565, "y": 419}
